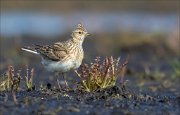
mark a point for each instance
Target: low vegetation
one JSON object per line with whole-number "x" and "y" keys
{"x": 29, "y": 80}
{"x": 10, "y": 80}
{"x": 176, "y": 67}
{"x": 101, "y": 75}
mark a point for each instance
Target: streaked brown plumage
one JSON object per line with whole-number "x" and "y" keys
{"x": 62, "y": 56}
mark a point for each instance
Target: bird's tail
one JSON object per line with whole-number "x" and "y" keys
{"x": 30, "y": 49}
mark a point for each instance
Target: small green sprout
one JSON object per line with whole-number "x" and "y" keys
{"x": 29, "y": 81}
{"x": 99, "y": 75}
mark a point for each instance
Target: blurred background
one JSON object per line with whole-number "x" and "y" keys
{"x": 147, "y": 31}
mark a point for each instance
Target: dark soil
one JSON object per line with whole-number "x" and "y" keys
{"x": 114, "y": 100}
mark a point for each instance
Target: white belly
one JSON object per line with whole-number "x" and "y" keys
{"x": 60, "y": 66}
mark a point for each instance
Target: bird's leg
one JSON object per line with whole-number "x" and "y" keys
{"x": 58, "y": 83}
{"x": 59, "y": 86}
{"x": 66, "y": 84}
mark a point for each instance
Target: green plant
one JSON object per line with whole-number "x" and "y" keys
{"x": 10, "y": 80}
{"x": 29, "y": 80}
{"x": 101, "y": 75}
{"x": 153, "y": 75}
{"x": 176, "y": 67}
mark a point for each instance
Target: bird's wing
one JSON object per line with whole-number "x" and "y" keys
{"x": 53, "y": 52}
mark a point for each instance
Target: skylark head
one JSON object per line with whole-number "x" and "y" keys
{"x": 79, "y": 33}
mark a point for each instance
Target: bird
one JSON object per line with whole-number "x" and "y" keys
{"x": 63, "y": 56}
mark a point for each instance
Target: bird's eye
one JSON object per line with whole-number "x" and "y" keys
{"x": 80, "y": 32}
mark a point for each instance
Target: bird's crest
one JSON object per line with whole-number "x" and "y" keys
{"x": 81, "y": 27}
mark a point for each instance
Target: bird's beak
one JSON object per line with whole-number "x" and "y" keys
{"x": 87, "y": 34}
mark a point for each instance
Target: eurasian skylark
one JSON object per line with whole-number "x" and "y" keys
{"x": 64, "y": 56}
